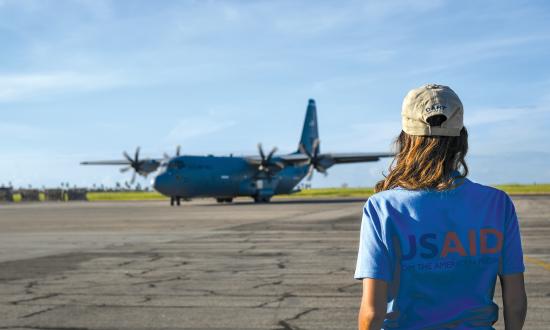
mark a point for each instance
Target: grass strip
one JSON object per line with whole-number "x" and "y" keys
{"x": 511, "y": 189}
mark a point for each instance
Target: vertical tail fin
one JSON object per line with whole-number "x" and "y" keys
{"x": 310, "y": 131}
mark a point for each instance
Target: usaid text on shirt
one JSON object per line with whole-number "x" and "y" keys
{"x": 431, "y": 245}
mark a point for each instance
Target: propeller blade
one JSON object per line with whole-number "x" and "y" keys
{"x": 137, "y": 155}
{"x": 315, "y": 147}
{"x": 303, "y": 149}
{"x": 166, "y": 156}
{"x": 125, "y": 154}
{"x": 310, "y": 173}
{"x": 178, "y": 149}
{"x": 271, "y": 153}
{"x": 133, "y": 177}
{"x": 125, "y": 169}
{"x": 321, "y": 169}
{"x": 261, "y": 151}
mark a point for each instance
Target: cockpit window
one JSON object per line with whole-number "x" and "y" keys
{"x": 176, "y": 164}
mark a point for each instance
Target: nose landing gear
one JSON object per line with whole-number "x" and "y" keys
{"x": 176, "y": 200}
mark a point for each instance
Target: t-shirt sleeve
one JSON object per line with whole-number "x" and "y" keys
{"x": 373, "y": 258}
{"x": 512, "y": 254}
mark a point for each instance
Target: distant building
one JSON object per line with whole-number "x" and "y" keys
{"x": 6, "y": 194}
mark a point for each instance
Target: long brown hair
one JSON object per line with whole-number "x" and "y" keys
{"x": 426, "y": 162}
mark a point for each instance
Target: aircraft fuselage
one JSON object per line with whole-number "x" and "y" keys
{"x": 223, "y": 177}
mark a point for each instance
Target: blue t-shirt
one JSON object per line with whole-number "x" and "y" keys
{"x": 440, "y": 253}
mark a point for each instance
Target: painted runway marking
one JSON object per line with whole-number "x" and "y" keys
{"x": 538, "y": 262}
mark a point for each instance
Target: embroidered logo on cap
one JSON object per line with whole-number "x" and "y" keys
{"x": 436, "y": 108}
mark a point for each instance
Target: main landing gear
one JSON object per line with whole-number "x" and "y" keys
{"x": 262, "y": 199}
{"x": 224, "y": 200}
{"x": 176, "y": 200}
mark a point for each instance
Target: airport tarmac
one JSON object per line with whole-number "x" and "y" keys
{"x": 144, "y": 265}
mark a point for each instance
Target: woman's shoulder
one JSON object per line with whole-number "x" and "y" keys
{"x": 480, "y": 188}
{"x": 465, "y": 189}
{"x": 392, "y": 196}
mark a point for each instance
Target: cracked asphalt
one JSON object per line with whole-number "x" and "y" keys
{"x": 144, "y": 265}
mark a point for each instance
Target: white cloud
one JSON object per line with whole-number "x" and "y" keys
{"x": 16, "y": 87}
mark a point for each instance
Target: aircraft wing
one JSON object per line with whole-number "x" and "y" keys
{"x": 355, "y": 157}
{"x": 291, "y": 159}
{"x": 106, "y": 162}
{"x": 119, "y": 162}
{"x": 294, "y": 158}
{"x": 337, "y": 158}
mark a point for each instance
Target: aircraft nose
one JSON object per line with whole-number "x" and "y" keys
{"x": 162, "y": 185}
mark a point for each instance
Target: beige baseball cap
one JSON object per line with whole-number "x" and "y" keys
{"x": 427, "y": 101}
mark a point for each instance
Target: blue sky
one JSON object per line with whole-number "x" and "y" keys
{"x": 85, "y": 80}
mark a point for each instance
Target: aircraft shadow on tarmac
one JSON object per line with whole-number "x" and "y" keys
{"x": 297, "y": 201}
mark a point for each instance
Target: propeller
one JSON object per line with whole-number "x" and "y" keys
{"x": 135, "y": 163}
{"x": 178, "y": 153}
{"x": 314, "y": 160}
{"x": 266, "y": 164}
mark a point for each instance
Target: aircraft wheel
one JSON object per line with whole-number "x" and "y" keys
{"x": 229, "y": 200}
{"x": 172, "y": 200}
{"x": 220, "y": 200}
{"x": 260, "y": 199}
{"x": 178, "y": 201}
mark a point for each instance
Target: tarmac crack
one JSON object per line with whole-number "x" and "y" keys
{"x": 266, "y": 284}
{"x": 155, "y": 282}
{"x": 125, "y": 263}
{"x": 281, "y": 264}
{"x": 278, "y": 300}
{"x": 183, "y": 263}
{"x": 344, "y": 289}
{"x": 339, "y": 270}
{"x": 143, "y": 272}
{"x": 51, "y": 295}
{"x": 39, "y": 312}
{"x": 155, "y": 257}
{"x": 287, "y": 326}
{"x": 252, "y": 247}
{"x": 29, "y": 286}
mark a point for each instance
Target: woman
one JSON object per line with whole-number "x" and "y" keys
{"x": 432, "y": 242}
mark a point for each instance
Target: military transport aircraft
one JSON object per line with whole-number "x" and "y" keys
{"x": 225, "y": 177}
